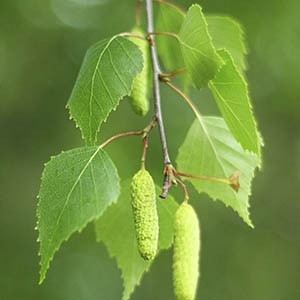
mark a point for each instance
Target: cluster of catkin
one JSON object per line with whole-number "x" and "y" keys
{"x": 186, "y": 225}
{"x": 186, "y": 234}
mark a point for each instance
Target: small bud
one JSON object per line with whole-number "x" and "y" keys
{"x": 139, "y": 94}
{"x": 145, "y": 213}
{"x": 186, "y": 252}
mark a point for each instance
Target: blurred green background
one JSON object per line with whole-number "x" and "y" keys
{"x": 42, "y": 44}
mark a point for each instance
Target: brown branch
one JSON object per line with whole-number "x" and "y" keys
{"x": 156, "y": 88}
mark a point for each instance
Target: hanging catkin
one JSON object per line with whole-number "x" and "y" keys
{"x": 139, "y": 94}
{"x": 145, "y": 213}
{"x": 186, "y": 252}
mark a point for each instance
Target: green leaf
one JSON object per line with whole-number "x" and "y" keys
{"x": 116, "y": 229}
{"x": 231, "y": 94}
{"x": 199, "y": 54}
{"x": 210, "y": 149}
{"x": 169, "y": 19}
{"x": 106, "y": 76}
{"x": 77, "y": 186}
{"x": 228, "y": 34}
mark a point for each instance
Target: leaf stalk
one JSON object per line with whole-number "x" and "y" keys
{"x": 143, "y": 132}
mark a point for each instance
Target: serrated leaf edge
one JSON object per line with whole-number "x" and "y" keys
{"x": 93, "y": 140}
{"x": 118, "y": 266}
{"x": 248, "y": 220}
{"x": 241, "y": 33}
{"x": 221, "y": 61}
{"x": 42, "y": 278}
{"x": 259, "y": 143}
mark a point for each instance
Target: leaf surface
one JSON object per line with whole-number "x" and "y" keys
{"x": 198, "y": 51}
{"x": 228, "y": 34}
{"x": 106, "y": 76}
{"x": 231, "y": 94}
{"x": 77, "y": 186}
{"x": 169, "y": 19}
{"x": 116, "y": 229}
{"x": 210, "y": 149}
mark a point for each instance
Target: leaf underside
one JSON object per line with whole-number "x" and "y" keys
{"x": 210, "y": 149}
{"x": 169, "y": 19}
{"x": 231, "y": 94}
{"x": 228, "y": 34}
{"x": 200, "y": 56}
{"x": 106, "y": 76}
{"x": 77, "y": 186}
{"x": 116, "y": 229}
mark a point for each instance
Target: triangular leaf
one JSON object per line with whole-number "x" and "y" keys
{"x": 210, "y": 149}
{"x": 106, "y": 76}
{"x": 116, "y": 229}
{"x": 231, "y": 94}
{"x": 199, "y": 54}
{"x": 76, "y": 188}
{"x": 228, "y": 34}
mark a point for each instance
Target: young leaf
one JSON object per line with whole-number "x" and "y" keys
{"x": 228, "y": 34}
{"x": 76, "y": 188}
{"x": 199, "y": 54}
{"x": 231, "y": 94}
{"x": 106, "y": 76}
{"x": 169, "y": 19}
{"x": 116, "y": 229}
{"x": 210, "y": 149}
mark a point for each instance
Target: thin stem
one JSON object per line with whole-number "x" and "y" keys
{"x": 174, "y": 35}
{"x": 171, "y": 5}
{"x": 157, "y": 100}
{"x": 138, "y": 12}
{"x": 232, "y": 180}
{"x": 144, "y": 132}
{"x": 204, "y": 177}
{"x": 122, "y": 134}
{"x": 186, "y": 194}
{"x": 168, "y": 180}
{"x": 145, "y": 147}
{"x": 185, "y": 97}
{"x": 165, "y": 76}
{"x": 134, "y": 35}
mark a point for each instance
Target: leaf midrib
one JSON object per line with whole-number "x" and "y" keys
{"x": 235, "y": 116}
{"x": 69, "y": 194}
{"x": 93, "y": 81}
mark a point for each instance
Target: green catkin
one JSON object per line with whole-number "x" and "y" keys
{"x": 139, "y": 94}
{"x": 186, "y": 252}
{"x": 145, "y": 213}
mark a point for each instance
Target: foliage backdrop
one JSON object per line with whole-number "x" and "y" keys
{"x": 42, "y": 44}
